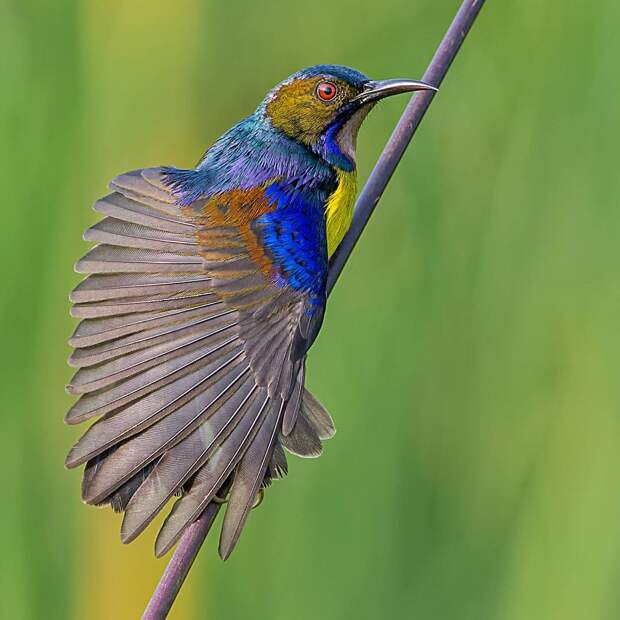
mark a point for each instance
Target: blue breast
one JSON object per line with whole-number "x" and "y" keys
{"x": 294, "y": 235}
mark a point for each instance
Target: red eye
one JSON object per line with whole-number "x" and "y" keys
{"x": 326, "y": 91}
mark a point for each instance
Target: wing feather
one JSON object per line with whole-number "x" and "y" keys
{"x": 91, "y": 378}
{"x": 161, "y": 302}
{"x": 124, "y": 286}
{"x": 143, "y": 413}
{"x": 188, "y": 354}
{"x": 137, "y": 453}
{"x": 166, "y": 218}
{"x": 100, "y": 330}
{"x": 178, "y": 464}
{"x": 114, "y": 259}
{"x": 248, "y": 478}
{"x": 117, "y": 232}
{"x": 103, "y": 401}
{"x": 212, "y": 475}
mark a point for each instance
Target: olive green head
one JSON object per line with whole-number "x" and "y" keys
{"x": 323, "y": 107}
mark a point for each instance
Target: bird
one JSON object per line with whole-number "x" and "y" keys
{"x": 203, "y": 293}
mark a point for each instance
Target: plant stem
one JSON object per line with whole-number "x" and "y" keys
{"x": 191, "y": 541}
{"x": 179, "y": 565}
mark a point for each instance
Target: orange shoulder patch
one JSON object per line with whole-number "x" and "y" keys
{"x": 226, "y": 226}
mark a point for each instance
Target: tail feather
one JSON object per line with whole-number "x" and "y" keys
{"x": 318, "y": 416}
{"x": 293, "y": 406}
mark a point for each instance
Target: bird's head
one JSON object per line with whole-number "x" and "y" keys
{"x": 323, "y": 107}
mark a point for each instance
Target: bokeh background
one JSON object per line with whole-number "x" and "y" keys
{"x": 471, "y": 351}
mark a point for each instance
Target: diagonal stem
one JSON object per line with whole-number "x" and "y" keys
{"x": 191, "y": 541}
{"x": 179, "y": 565}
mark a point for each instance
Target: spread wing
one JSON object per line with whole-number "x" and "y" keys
{"x": 190, "y": 353}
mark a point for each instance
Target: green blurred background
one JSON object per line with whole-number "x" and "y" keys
{"x": 471, "y": 351}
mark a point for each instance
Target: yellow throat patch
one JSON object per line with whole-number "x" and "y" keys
{"x": 339, "y": 209}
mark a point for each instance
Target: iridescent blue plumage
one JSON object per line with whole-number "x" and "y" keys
{"x": 248, "y": 155}
{"x": 294, "y": 234}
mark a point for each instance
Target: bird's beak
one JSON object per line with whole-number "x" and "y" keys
{"x": 375, "y": 90}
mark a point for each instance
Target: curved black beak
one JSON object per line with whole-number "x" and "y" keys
{"x": 375, "y": 90}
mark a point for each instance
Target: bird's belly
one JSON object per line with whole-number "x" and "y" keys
{"x": 339, "y": 209}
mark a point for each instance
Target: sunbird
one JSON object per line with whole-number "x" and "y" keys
{"x": 205, "y": 290}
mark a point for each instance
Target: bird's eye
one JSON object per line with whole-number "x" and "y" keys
{"x": 326, "y": 91}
